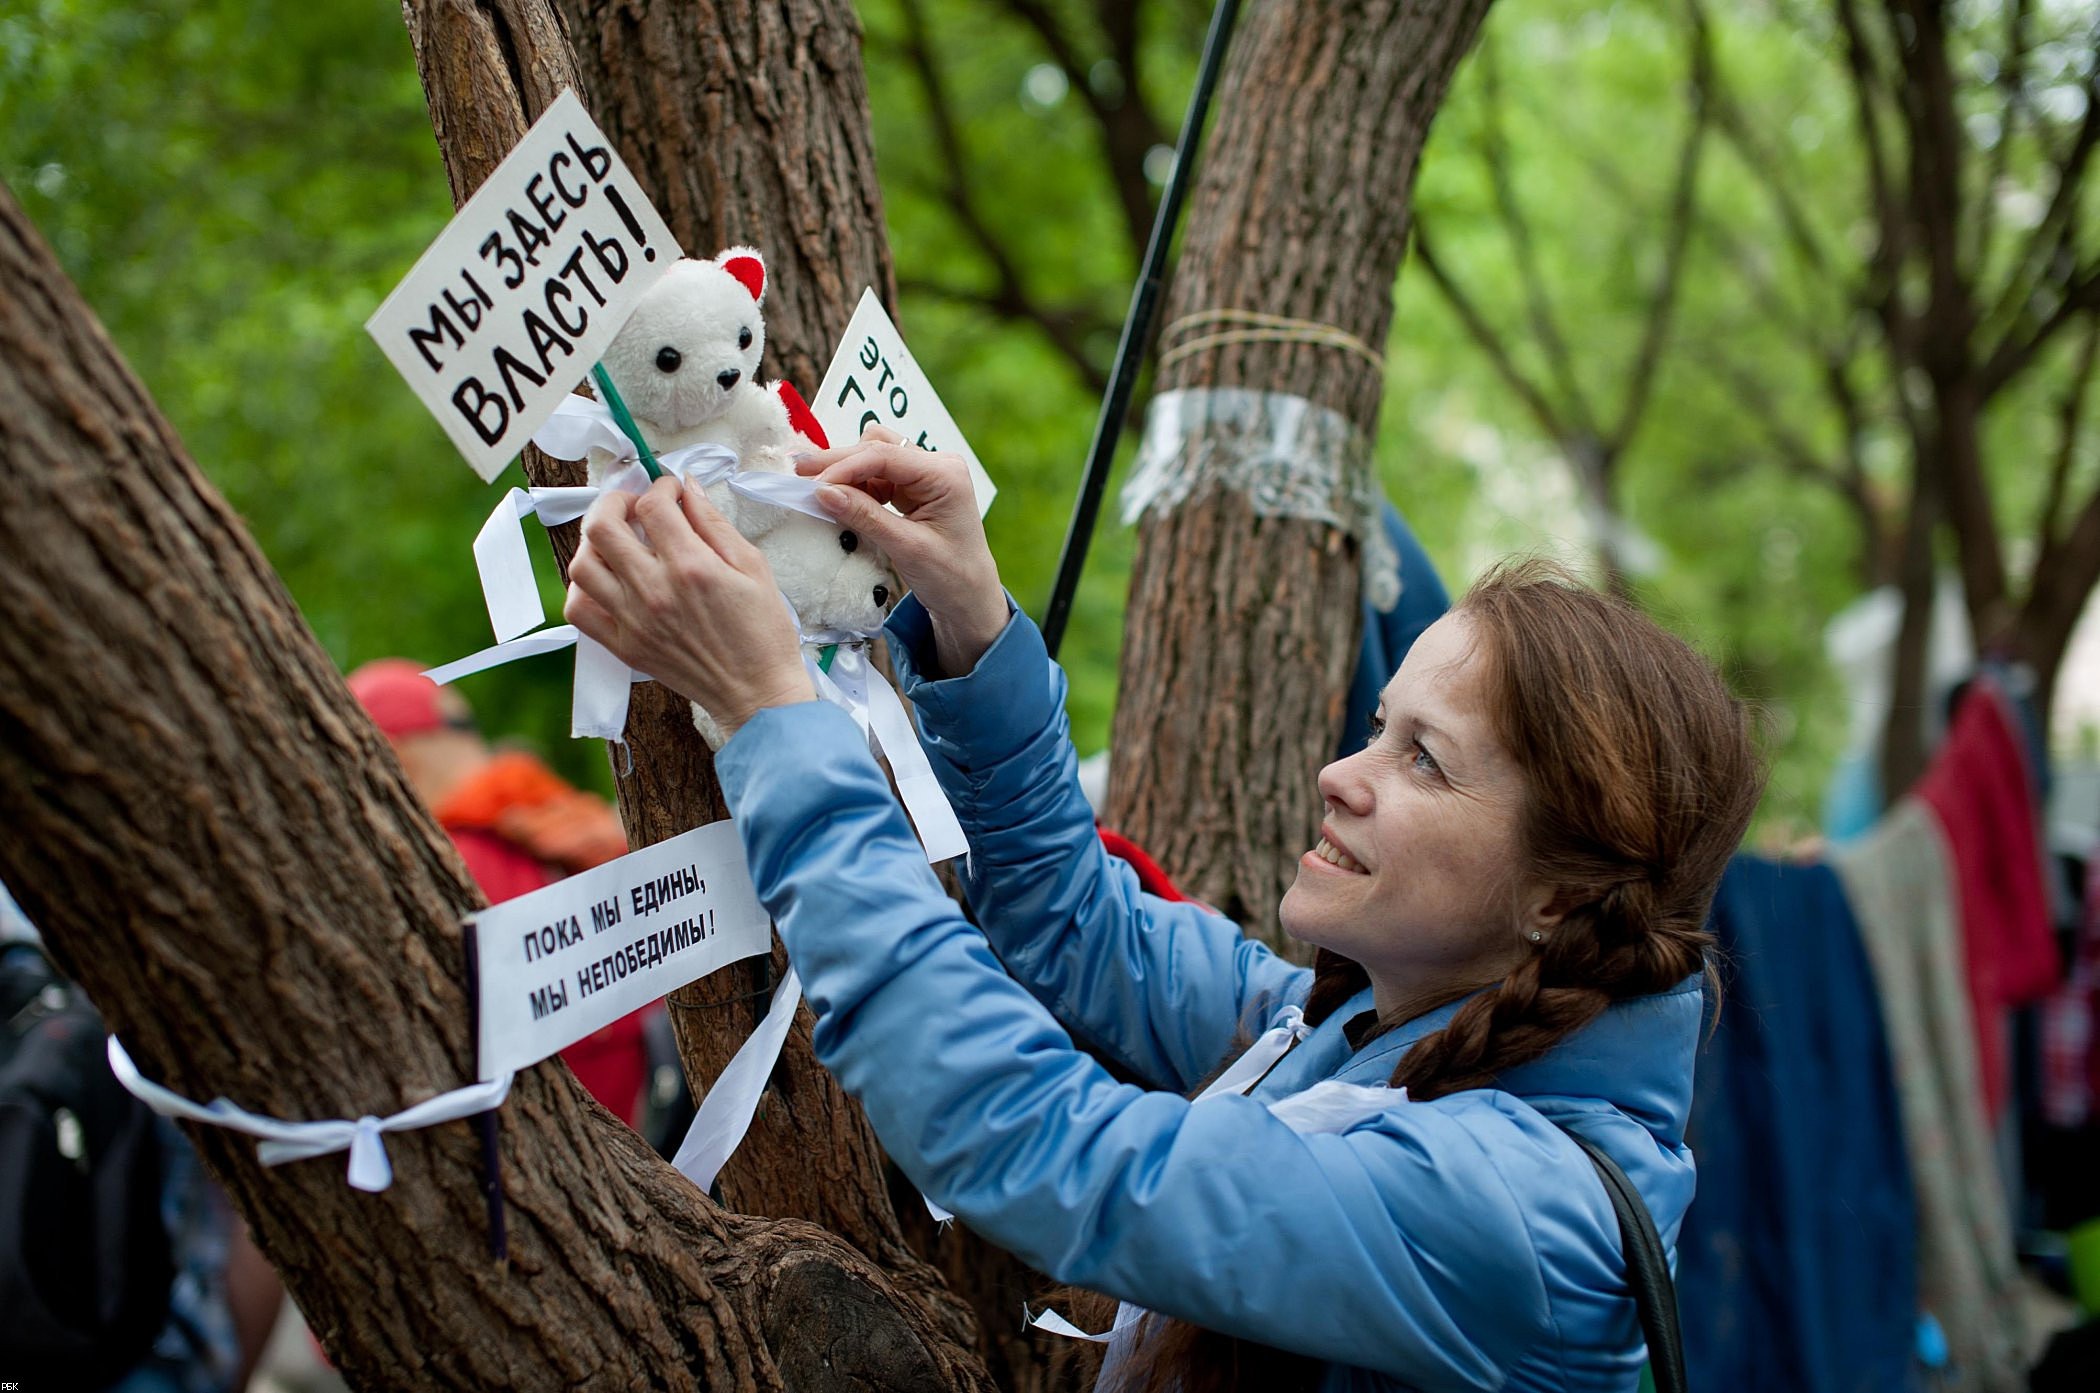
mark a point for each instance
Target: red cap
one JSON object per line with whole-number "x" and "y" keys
{"x": 398, "y": 697}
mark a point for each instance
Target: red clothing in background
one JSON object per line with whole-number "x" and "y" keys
{"x": 519, "y": 827}
{"x": 1987, "y": 802}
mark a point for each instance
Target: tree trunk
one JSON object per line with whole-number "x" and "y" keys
{"x": 220, "y": 847}
{"x": 1242, "y": 628}
{"x": 1903, "y": 743}
{"x": 745, "y": 124}
{"x": 748, "y": 124}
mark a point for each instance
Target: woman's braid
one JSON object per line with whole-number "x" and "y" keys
{"x": 1640, "y": 778}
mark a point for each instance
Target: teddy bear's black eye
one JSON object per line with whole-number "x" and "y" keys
{"x": 743, "y": 338}
{"x": 849, "y": 541}
{"x": 668, "y": 359}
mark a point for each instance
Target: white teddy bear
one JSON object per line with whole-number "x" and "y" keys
{"x": 686, "y": 367}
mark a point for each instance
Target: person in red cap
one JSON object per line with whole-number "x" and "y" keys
{"x": 518, "y": 825}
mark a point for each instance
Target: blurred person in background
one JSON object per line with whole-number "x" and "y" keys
{"x": 519, "y": 827}
{"x": 133, "y": 1274}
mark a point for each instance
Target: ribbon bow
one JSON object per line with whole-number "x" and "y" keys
{"x": 299, "y": 1141}
{"x": 598, "y": 708}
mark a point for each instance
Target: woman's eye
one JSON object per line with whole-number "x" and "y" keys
{"x": 1425, "y": 761}
{"x": 1377, "y": 729}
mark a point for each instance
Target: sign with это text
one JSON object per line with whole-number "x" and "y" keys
{"x": 874, "y": 381}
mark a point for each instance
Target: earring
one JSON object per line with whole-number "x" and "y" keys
{"x": 1537, "y": 937}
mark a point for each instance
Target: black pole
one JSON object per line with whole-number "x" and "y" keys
{"x": 1137, "y": 332}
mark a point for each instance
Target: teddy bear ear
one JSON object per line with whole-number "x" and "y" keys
{"x": 748, "y": 267}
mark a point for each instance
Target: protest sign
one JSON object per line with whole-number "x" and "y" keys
{"x": 559, "y": 963}
{"x": 515, "y": 300}
{"x": 873, "y": 380}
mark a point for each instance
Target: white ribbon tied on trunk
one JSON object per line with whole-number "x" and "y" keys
{"x": 299, "y": 1141}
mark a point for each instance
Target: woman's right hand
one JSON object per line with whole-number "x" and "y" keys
{"x": 935, "y": 539}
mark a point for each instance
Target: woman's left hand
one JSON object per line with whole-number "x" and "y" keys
{"x": 695, "y": 606}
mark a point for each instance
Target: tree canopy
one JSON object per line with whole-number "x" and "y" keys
{"x": 235, "y": 187}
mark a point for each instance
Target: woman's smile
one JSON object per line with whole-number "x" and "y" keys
{"x": 1330, "y": 854}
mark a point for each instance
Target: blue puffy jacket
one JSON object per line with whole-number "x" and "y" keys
{"x": 1464, "y": 1243}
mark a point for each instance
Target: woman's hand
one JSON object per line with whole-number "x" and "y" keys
{"x": 935, "y": 539}
{"x": 695, "y": 606}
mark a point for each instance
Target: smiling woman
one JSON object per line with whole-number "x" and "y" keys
{"x": 1507, "y": 897}
{"x": 1562, "y": 782}
{"x": 1416, "y": 875}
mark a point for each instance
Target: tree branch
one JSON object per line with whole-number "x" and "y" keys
{"x": 2070, "y": 416}
{"x": 1764, "y": 169}
{"x": 1011, "y": 298}
{"x": 1847, "y": 480}
{"x": 1662, "y": 304}
{"x": 2081, "y": 295}
{"x": 1487, "y": 339}
{"x": 1869, "y": 86}
{"x": 1728, "y": 239}
{"x": 1127, "y": 127}
{"x": 1926, "y": 98}
{"x": 2012, "y": 81}
{"x": 2050, "y": 244}
{"x": 1494, "y": 149}
{"x": 1067, "y": 327}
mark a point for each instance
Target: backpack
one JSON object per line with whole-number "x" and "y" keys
{"x": 85, "y": 1260}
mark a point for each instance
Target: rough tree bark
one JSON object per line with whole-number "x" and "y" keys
{"x": 746, "y": 124}
{"x": 1241, "y": 631}
{"x": 219, "y": 845}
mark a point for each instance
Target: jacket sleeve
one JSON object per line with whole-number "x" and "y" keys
{"x": 1398, "y": 1245}
{"x": 1160, "y": 986}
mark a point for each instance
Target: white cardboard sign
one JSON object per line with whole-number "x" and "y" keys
{"x": 561, "y": 962}
{"x": 874, "y": 380}
{"x": 520, "y": 294}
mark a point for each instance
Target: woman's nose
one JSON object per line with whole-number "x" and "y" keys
{"x": 1342, "y": 784}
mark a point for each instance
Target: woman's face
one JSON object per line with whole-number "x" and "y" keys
{"x": 1418, "y": 875}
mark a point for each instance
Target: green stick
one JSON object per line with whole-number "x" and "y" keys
{"x": 610, "y": 395}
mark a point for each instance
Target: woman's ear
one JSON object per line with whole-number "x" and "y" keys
{"x": 1547, "y": 906}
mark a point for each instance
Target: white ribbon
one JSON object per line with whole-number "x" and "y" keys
{"x": 599, "y": 702}
{"x": 511, "y": 591}
{"x": 1048, "y": 1320}
{"x": 1333, "y": 1106}
{"x": 876, "y": 708}
{"x": 1328, "y": 1106}
{"x": 1261, "y": 1056}
{"x": 725, "y": 1114}
{"x": 299, "y": 1141}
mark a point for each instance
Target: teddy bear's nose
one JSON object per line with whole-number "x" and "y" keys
{"x": 728, "y": 378}
{"x": 882, "y": 596}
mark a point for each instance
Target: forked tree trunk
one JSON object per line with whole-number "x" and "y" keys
{"x": 221, "y": 848}
{"x": 745, "y": 124}
{"x": 1242, "y": 628}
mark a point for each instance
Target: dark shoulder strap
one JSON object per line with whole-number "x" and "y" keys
{"x": 1647, "y": 1270}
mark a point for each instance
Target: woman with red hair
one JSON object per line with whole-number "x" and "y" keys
{"x": 1507, "y": 899}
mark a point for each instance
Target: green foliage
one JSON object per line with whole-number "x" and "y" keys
{"x": 1036, "y": 175}
{"x": 235, "y": 187}
{"x": 1751, "y": 559}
